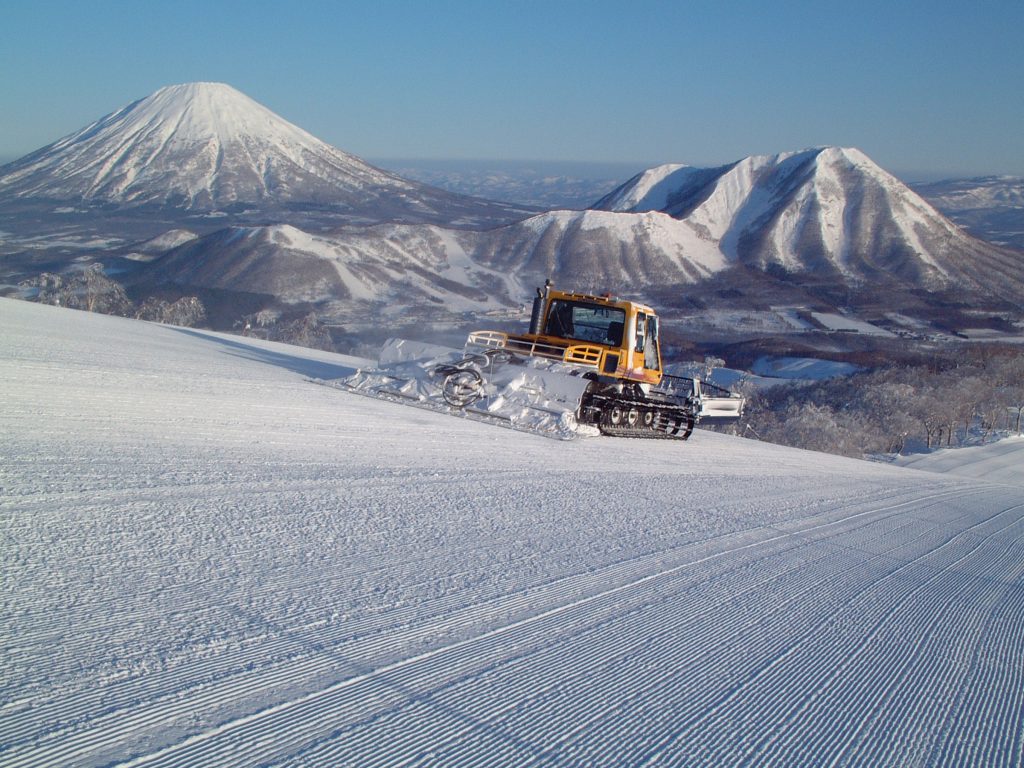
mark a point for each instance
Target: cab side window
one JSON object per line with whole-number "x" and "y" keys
{"x": 651, "y": 344}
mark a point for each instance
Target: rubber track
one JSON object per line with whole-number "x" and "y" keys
{"x": 659, "y": 430}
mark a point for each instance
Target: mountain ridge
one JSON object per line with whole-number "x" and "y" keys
{"x": 822, "y": 210}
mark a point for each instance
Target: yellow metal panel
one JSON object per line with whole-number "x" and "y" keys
{"x": 584, "y": 354}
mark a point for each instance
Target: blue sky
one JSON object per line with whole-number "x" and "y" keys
{"x": 925, "y": 88}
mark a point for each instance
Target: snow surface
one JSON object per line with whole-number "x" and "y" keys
{"x": 808, "y": 368}
{"x": 209, "y": 560}
{"x": 836, "y": 322}
{"x": 1000, "y": 462}
{"x": 693, "y": 256}
{"x": 651, "y": 189}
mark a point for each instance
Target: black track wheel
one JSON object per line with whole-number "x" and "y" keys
{"x": 685, "y": 428}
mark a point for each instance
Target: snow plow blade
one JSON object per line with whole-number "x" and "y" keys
{"x": 716, "y": 402}
{"x": 523, "y": 393}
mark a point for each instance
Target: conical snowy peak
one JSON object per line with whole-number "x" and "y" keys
{"x": 206, "y": 146}
{"x": 201, "y": 112}
{"x": 194, "y": 146}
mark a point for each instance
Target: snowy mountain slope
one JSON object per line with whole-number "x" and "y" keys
{"x": 397, "y": 264}
{"x": 211, "y": 561}
{"x": 408, "y": 266}
{"x": 608, "y": 249}
{"x": 830, "y": 214}
{"x": 976, "y": 193}
{"x": 206, "y": 146}
{"x": 829, "y": 211}
{"x": 656, "y": 189}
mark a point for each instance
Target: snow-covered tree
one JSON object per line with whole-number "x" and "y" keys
{"x": 89, "y": 289}
{"x": 187, "y": 311}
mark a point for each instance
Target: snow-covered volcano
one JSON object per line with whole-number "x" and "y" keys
{"x": 206, "y": 146}
{"x": 826, "y": 211}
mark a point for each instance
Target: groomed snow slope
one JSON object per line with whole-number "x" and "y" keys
{"x": 208, "y": 560}
{"x": 1000, "y": 462}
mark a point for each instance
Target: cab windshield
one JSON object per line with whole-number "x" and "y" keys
{"x": 581, "y": 321}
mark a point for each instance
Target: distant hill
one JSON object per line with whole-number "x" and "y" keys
{"x": 545, "y": 185}
{"x": 989, "y": 207}
{"x": 826, "y": 211}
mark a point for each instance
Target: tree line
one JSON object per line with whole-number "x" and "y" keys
{"x": 903, "y": 408}
{"x": 91, "y": 290}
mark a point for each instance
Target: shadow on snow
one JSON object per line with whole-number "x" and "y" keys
{"x": 314, "y": 369}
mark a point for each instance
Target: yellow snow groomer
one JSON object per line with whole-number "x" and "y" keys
{"x": 587, "y": 364}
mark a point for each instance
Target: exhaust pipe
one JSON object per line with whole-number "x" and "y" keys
{"x": 538, "y": 307}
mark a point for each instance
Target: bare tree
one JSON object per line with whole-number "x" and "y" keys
{"x": 888, "y": 407}
{"x": 1005, "y": 375}
{"x": 931, "y": 414}
{"x": 710, "y": 363}
{"x": 267, "y": 317}
{"x": 306, "y": 331}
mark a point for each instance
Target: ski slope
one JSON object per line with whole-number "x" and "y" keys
{"x": 999, "y": 462}
{"x": 210, "y": 561}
